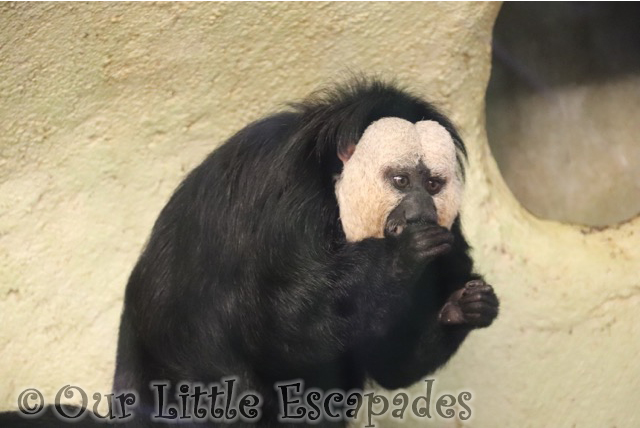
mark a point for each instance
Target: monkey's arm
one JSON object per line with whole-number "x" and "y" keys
{"x": 448, "y": 302}
{"x": 337, "y": 302}
{"x": 354, "y": 298}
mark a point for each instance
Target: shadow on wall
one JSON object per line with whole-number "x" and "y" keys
{"x": 562, "y": 109}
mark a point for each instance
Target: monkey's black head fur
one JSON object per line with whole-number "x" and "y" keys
{"x": 338, "y": 116}
{"x": 247, "y": 272}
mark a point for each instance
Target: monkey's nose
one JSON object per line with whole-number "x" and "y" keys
{"x": 412, "y": 215}
{"x": 420, "y": 212}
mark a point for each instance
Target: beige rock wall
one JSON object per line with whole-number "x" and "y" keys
{"x": 105, "y": 107}
{"x": 562, "y": 108}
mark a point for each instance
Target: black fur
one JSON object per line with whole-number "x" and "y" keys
{"x": 247, "y": 272}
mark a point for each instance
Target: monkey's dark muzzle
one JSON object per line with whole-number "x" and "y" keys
{"x": 411, "y": 210}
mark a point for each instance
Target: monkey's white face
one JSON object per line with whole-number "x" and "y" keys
{"x": 365, "y": 195}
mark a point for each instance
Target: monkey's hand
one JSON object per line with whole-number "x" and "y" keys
{"x": 419, "y": 243}
{"x": 475, "y": 305}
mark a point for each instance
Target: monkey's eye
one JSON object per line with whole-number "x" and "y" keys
{"x": 400, "y": 181}
{"x": 434, "y": 185}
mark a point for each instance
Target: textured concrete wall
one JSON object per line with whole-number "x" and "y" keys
{"x": 105, "y": 107}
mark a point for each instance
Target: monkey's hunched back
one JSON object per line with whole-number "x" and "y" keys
{"x": 248, "y": 273}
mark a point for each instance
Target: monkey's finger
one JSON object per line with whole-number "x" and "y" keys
{"x": 476, "y": 283}
{"x": 480, "y": 320}
{"x": 425, "y": 242}
{"x": 479, "y": 307}
{"x": 490, "y": 298}
{"x": 478, "y": 289}
{"x": 433, "y": 251}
